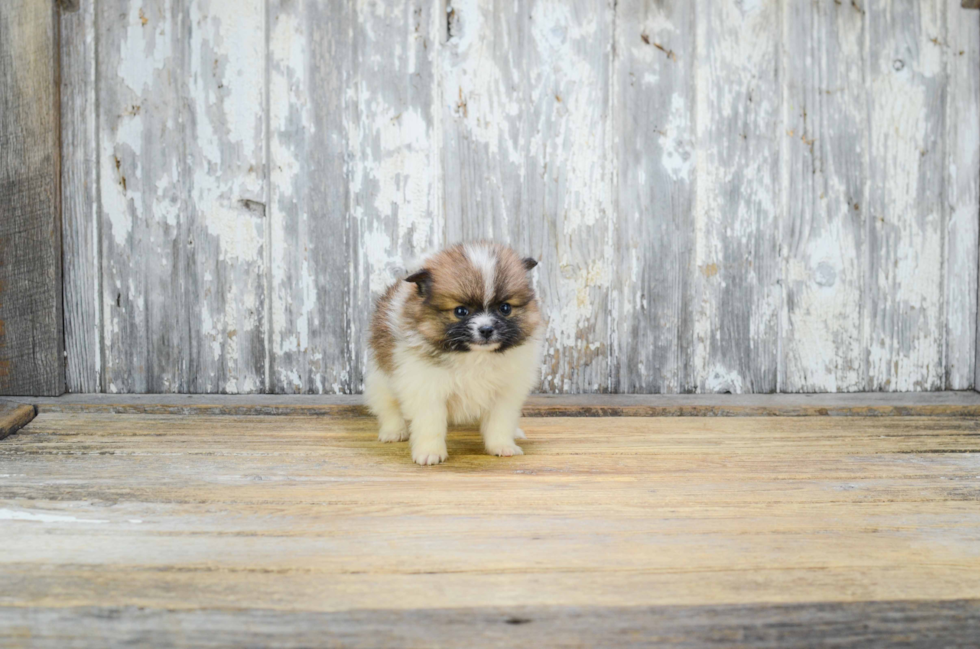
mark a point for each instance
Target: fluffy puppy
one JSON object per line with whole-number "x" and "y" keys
{"x": 458, "y": 341}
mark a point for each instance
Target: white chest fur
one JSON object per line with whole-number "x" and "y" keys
{"x": 469, "y": 384}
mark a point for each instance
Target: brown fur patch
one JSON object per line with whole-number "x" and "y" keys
{"x": 455, "y": 281}
{"x": 382, "y": 340}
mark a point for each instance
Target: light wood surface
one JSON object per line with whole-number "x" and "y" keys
{"x": 794, "y": 210}
{"x": 308, "y": 515}
{"x": 80, "y": 217}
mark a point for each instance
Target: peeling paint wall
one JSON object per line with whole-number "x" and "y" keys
{"x": 725, "y": 196}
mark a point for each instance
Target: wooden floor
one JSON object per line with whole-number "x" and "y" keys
{"x": 181, "y": 530}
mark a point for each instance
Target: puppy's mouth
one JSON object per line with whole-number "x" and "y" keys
{"x": 484, "y": 346}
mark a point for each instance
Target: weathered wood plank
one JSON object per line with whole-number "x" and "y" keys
{"x": 484, "y": 122}
{"x": 142, "y": 195}
{"x": 31, "y": 322}
{"x": 904, "y": 315}
{"x": 825, "y": 175}
{"x": 308, "y": 269}
{"x": 738, "y": 196}
{"x": 223, "y": 140}
{"x": 181, "y": 99}
{"x": 396, "y": 210}
{"x": 526, "y": 113}
{"x": 79, "y": 202}
{"x": 358, "y": 196}
{"x": 872, "y": 404}
{"x": 14, "y": 416}
{"x": 925, "y": 624}
{"x": 962, "y": 53}
{"x": 307, "y": 514}
{"x": 569, "y": 182}
{"x": 653, "y": 308}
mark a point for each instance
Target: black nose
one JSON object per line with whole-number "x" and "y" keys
{"x": 486, "y": 331}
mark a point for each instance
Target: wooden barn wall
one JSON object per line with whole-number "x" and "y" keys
{"x": 743, "y": 196}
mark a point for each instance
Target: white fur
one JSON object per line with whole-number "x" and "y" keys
{"x": 485, "y": 261}
{"x": 422, "y": 395}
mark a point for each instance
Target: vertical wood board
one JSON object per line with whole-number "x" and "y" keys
{"x": 825, "y": 140}
{"x": 223, "y": 143}
{"x": 79, "y": 202}
{"x": 962, "y": 140}
{"x": 526, "y": 122}
{"x": 904, "y": 312}
{"x": 738, "y": 196}
{"x": 309, "y": 273}
{"x": 654, "y": 166}
{"x": 181, "y": 101}
{"x": 142, "y": 201}
{"x": 396, "y": 209}
{"x": 31, "y": 321}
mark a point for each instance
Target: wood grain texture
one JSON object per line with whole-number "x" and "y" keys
{"x": 14, "y": 416}
{"x": 794, "y": 211}
{"x": 527, "y": 162}
{"x": 223, "y": 140}
{"x": 79, "y": 202}
{"x": 182, "y": 193}
{"x": 953, "y": 624}
{"x": 825, "y": 140}
{"x": 143, "y": 203}
{"x": 904, "y": 313}
{"x": 867, "y": 404}
{"x": 31, "y": 321}
{"x": 961, "y": 51}
{"x": 654, "y": 107}
{"x": 484, "y": 122}
{"x": 309, "y": 196}
{"x": 301, "y": 515}
{"x": 356, "y": 196}
{"x": 396, "y": 209}
{"x": 738, "y": 196}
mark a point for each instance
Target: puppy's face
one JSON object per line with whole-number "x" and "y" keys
{"x": 474, "y": 298}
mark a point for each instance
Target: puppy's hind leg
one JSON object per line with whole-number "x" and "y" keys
{"x": 383, "y": 403}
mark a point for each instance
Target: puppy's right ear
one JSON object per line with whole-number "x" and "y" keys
{"x": 422, "y": 279}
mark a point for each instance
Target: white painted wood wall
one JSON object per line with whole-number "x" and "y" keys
{"x": 725, "y": 195}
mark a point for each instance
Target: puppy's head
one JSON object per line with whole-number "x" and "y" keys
{"x": 474, "y": 297}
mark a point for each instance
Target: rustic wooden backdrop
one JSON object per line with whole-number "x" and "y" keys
{"x": 725, "y": 195}
{"x": 32, "y": 359}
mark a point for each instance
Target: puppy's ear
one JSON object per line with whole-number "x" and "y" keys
{"x": 529, "y": 263}
{"x": 422, "y": 279}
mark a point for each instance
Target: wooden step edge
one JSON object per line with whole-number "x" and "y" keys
{"x": 919, "y": 404}
{"x": 14, "y": 416}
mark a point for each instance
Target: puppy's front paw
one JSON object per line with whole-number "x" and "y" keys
{"x": 505, "y": 450}
{"x": 428, "y": 453}
{"x": 397, "y": 433}
{"x": 519, "y": 434}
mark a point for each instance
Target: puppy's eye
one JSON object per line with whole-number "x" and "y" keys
{"x": 505, "y": 308}
{"x": 461, "y": 312}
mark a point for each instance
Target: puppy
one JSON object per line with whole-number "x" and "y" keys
{"x": 458, "y": 341}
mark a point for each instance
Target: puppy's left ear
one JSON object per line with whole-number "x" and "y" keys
{"x": 529, "y": 263}
{"x": 421, "y": 279}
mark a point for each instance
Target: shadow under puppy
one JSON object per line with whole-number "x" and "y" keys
{"x": 458, "y": 341}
